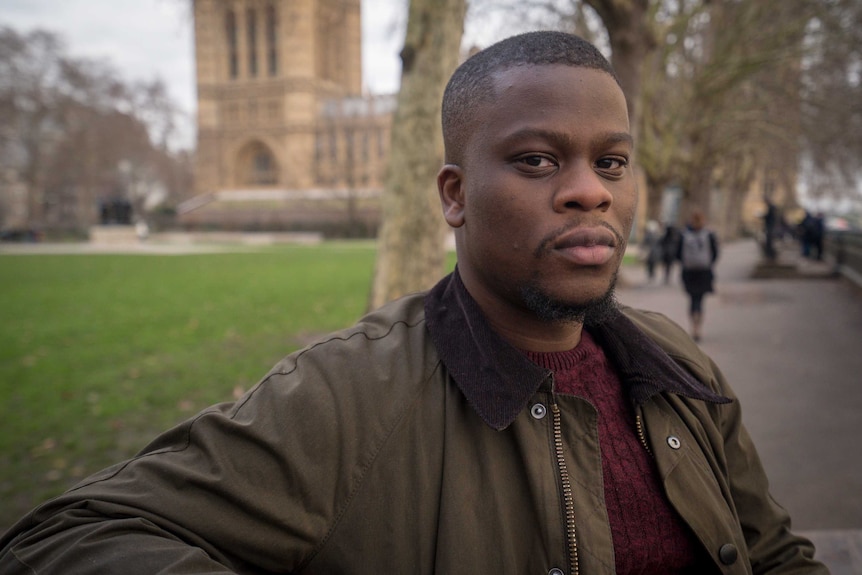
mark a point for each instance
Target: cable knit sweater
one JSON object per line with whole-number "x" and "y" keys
{"x": 648, "y": 535}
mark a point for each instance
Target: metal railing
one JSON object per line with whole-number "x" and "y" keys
{"x": 844, "y": 249}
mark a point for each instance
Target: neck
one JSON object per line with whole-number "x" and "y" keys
{"x": 558, "y": 336}
{"x": 519, "y": 326}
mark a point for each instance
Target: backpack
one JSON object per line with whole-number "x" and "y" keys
{"x": 697, "y": 249}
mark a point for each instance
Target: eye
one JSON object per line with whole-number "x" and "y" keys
{"x": 534, "y": 163}
{"x": 612, "y": 164}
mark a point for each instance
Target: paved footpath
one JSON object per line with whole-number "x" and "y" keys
{"x": 792, "y": 350}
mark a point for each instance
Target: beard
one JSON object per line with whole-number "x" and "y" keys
{"x": 591, "y": 312}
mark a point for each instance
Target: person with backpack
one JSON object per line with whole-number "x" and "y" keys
{"x": 698, "y": 252}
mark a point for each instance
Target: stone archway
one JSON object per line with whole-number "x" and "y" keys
{"x": 257, "y": 166}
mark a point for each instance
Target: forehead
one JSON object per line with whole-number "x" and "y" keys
{"x": 579, "y": 101}
{"x": 549, "y": 84}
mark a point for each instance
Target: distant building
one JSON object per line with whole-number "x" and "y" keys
{"x": 286, "y": 139}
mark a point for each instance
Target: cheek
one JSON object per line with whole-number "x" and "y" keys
{"x": 628, "y": 221}
{"x": 626, "y": 204}
{"x": 502, "y": 225}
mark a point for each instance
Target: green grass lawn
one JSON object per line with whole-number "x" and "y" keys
{"x": 99, "y": 353}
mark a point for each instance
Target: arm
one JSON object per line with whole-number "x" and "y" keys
{"x": 238, "y": 488}
{"x": 719, "y": 486}
{"x": 772, "y": 548}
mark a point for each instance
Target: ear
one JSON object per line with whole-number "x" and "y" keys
{"x": 450, "y": 184}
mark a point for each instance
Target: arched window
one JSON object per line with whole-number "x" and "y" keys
{"x": 264, "y": 168}
{"x": 257, "y": 166}
{"x": 272, "y": 40}
{"x": 251, "y": 37}
{"x": 233, "y": 51}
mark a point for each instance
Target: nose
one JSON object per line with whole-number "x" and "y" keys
{"x": 581, "y": 188}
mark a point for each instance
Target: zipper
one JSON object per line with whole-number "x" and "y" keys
{"x": 568, "y": 498}
{"x": 640, "y": 425}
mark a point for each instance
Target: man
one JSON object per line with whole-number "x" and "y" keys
{"x": 511, "y": 420}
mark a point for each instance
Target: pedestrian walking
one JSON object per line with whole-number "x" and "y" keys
{"x": 651, "y": 252}
{"x": 811, "y": 232}
{"x": 698, "y": 252}
{"x": 669, "y": 250}
{"x": 771, "y": 222}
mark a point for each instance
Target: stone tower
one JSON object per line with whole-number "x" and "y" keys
{"x": 274, "y": 79}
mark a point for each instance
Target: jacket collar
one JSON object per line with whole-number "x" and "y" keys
{"x": 498, "y": 380}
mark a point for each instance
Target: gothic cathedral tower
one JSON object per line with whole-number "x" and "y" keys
{"x": 265, "y": 68}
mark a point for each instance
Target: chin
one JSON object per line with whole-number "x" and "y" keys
{"x": 589, "y": 306}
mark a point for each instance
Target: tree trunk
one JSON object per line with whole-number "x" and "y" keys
{"x": 411, "y": 249}
{"x": 632, "y": 38}
{"x": 696, "y": 190}
{"x": 654, "y": 195}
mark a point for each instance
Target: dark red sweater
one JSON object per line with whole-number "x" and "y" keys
{"x": 649, "y": 537}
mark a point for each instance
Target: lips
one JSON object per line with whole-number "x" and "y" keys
{"x": 593, "y": 246}
{"x": 586, "y": 237}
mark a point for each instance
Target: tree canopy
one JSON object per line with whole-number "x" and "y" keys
{"x": 75, "y": 133}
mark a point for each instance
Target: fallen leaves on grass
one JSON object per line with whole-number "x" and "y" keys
{"x": 47, "y": 446}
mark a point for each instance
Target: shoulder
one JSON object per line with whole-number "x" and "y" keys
{"x": 673, "y": 340}
{"x": 386, "y": 353}
{"x": 391, "y": 330}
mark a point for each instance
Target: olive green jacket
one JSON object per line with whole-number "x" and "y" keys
{"x": 418, "y": 441}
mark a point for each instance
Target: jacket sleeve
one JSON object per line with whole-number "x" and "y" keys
{"x": 772, "y": 548}
{"x": 239, "y": 488}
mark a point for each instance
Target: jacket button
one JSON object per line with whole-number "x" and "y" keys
{"x": 728, "y": 554}
{"x": 555, "y": 571}
{"x": 538, "y": 411}
{"x": 674, "y": 442}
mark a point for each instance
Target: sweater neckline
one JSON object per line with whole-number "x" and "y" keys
{"x": 564, "y": 360}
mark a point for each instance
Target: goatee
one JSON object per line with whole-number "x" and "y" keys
{"x": 591, "y": 312}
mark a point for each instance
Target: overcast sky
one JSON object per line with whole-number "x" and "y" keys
{"x": 149, "y": 38}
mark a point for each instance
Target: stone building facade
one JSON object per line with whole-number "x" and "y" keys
{"x": 286, "y": 138}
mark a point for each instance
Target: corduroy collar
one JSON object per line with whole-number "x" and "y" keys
{"x": 498, "y": 380}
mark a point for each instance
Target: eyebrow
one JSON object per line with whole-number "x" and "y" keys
{"x": 562, "y": 139}
{"x": 619, "y": 138}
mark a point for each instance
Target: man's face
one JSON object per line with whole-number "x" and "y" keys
{"x": 545, "y": 196}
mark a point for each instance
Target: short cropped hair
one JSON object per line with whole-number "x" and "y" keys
{"x": 472, "y": 85}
